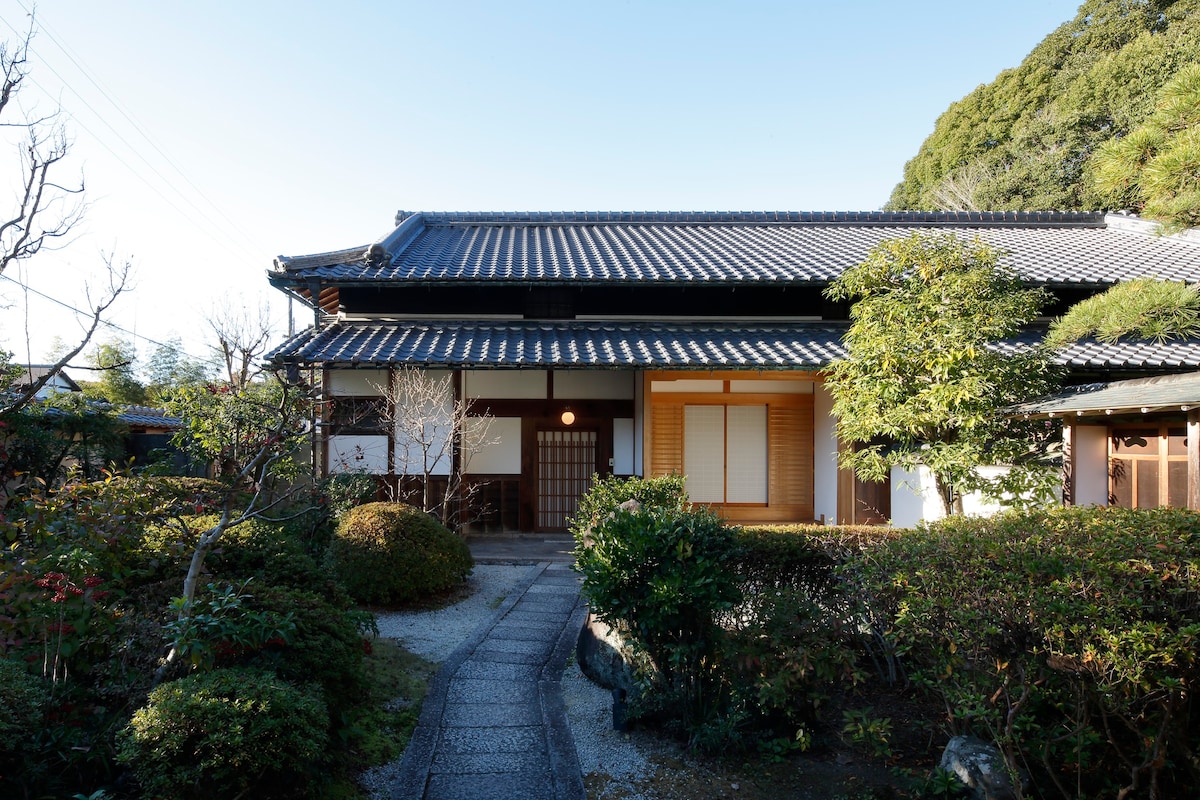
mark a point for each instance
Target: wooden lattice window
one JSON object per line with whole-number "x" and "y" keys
{"x": 1148, "y": 466}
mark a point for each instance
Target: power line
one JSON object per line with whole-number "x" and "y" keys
{"x": 212, "y": 224}
{"x": 106, "y": 323}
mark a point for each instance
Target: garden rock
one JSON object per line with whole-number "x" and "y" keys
{"x": 601, "y": 653}
{"x": 980, "y": 766}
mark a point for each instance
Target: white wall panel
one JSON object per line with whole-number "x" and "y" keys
{"x": 356, "y": 382}
{"x": 1091, "y": 465}
{"x": 774, "y": 387}
{"x": 503, "y": 456}
{"x": 358, "y": 454}
{"x": 704, "y": 453}
{"x": 623, "y": 446}
{"x": 825, "y": 469}
{"x": 688, "y": 385}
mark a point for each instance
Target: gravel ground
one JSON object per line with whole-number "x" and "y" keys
{"x": 435, "y": 634}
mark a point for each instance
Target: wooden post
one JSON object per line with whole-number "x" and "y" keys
{"x": 1193, "y": 458}
{"x": 1070, "y": 484}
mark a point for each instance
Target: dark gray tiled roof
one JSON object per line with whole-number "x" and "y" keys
{"x": 733, "y": 247}
{"x": 568, "y": 344}
{"x": 149, "y": 417}
{"x": 1165, "y": 392}
{"x": 649, "y": 345}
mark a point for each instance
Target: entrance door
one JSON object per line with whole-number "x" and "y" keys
{"x": 566, "y": 461}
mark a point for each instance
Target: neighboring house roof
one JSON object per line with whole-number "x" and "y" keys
{"x": 147, "y": 417}
{"x": 60, "y": 381}
{"x": 1142, "y": 396}
{"x": 577, "y": 344}
{"x": 1049, "y": 248}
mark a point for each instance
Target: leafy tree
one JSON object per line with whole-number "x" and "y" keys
{"x": 118, "y": 383}
{"x": 43, "y": 445}
{"x": 1025, "y": 140}
{"x": 251, "y": 434}
{"x": 1144, "y": 308}
{"x": 920, "y": 384}
{"x": 1157, "y": 166}
{"x": 169, "y": 367}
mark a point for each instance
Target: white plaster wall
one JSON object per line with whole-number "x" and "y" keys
{"x": 356, "y": 382}
{"x": 412, "y": 452}
{"x": 824, "y": 456}
{"x": 505, "y": 384}
{"x": 503, "y": 455}
{"x": 913, "y": 497}
{"x": 1091, "y": 465}
{"x": 593, "y": 385}
{"x": 623, "y": 446}
{"x": 358, "y": 454}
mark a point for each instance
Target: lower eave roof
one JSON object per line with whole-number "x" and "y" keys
{"x": 1173, "y": 393}
{"x": 649, "y": 345}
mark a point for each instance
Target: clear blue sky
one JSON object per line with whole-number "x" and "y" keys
{"x": 216, "y": 135}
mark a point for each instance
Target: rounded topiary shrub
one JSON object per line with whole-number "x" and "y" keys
{"x": 227, "y": 733}
{"x": 395, "y": 553}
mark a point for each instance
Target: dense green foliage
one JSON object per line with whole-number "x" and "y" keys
{"x": 1157, "y": 165}
{"x": 919, "y": 385}
{"x": 225, "y": 734}
{"x": 1143, "y": 308}
{"x": 607, "y": 492}
{"x": 1025, "y": 141}
{"x": 89, "y": 575}
{"x": 42, "y": 444}
{"x": 395, "y": 553}
{"x": 1071, "y": 638}
{"x": 661, "y": 575}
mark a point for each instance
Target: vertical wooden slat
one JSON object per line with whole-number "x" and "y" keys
{"x": 666, "y": 440}
{"x": 790, "y": 448}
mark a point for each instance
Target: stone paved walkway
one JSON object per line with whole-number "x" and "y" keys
{"x": 493, "y": 726}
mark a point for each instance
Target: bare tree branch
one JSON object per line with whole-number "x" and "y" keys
{"x": 242, "y": 334}
{"x": 45, "y": 210}
{"x": 118, "y": 279}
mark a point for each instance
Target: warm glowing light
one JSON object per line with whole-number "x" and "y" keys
{"x": 568, "y": 417}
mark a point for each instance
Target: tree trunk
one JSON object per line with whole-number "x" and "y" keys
{"x": 951, "y": 501}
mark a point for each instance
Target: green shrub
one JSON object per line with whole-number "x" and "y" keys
{"x": 396, "y": 553}
{"x": 661, "y": 575}
{"x": 227, "y": 733}
{"x": 326, "y": 646}
{"x": 22, "y": 702}
{"x": 608, "y": 492}
{"x": 1069, "y": 637}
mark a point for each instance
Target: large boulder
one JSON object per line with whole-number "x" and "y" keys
{"x": 981, "y": 768}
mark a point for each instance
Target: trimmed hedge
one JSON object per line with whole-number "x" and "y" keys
{"x": 1069, "y": 637}
{"x": 396, "y": 553}
{"x": 227, "y": 733}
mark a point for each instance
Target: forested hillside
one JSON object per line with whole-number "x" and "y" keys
{"x": 1025, "y": 140}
